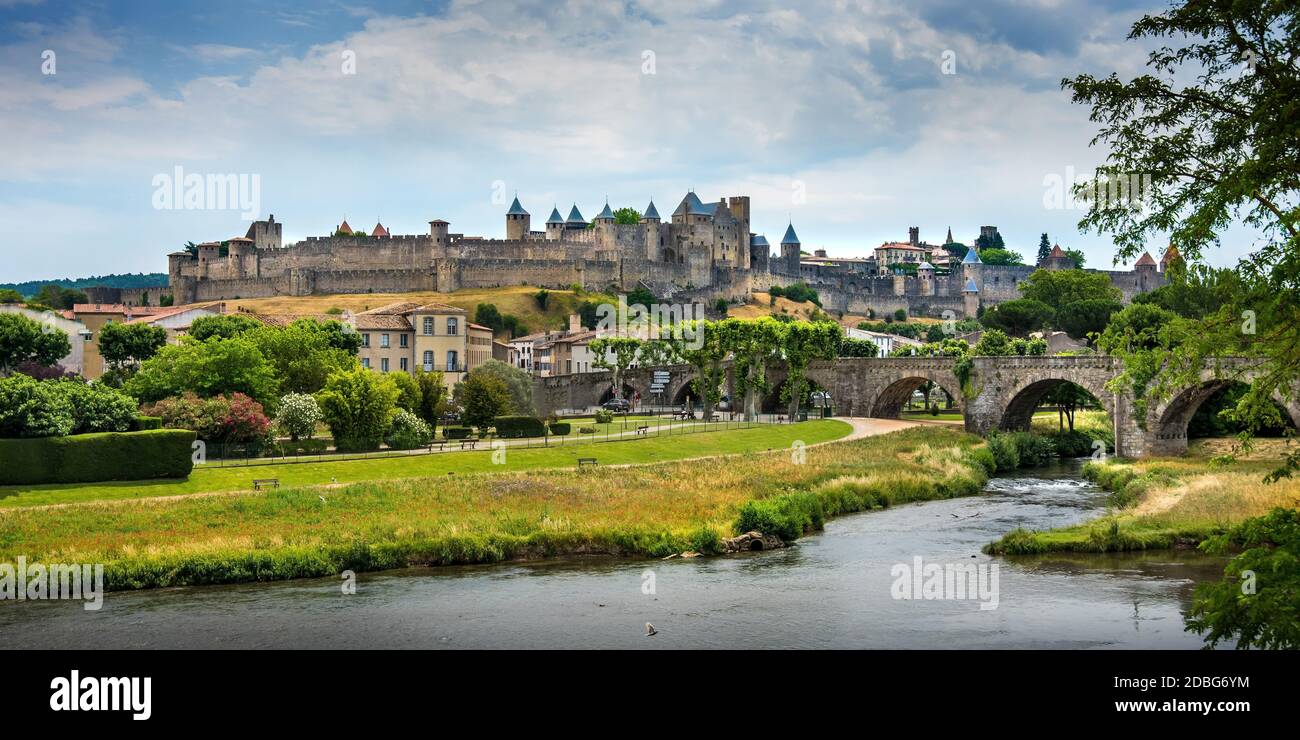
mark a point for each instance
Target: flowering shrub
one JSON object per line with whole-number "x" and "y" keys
{"x": 298, "y": 415}
{"x": 408, "y": 432}
{"x": 237, "y": 419}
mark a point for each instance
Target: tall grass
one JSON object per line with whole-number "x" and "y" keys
{"x": 649, "y": 511}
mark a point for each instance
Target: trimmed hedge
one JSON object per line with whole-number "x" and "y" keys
{"x": 510, "y": 427}
{"x": 143, "y": 423}
{"x": 561, "y": 428}
{"x": 456, "y": 432}
{"x": 104, "y": 456}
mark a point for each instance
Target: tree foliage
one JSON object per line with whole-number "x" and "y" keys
{"x": 358, "y": 406}
{"x": 25, "y": 340}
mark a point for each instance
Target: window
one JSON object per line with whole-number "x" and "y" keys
{"x": 452, "y": 365}
{"x": 365, "y": 362}
{"x": 404, "y": 340}
{"x": 383, "y": 341}
{"x": 402, "y": 363}
{"x": 452, "y": 325}
{"x": 428, "y": 326}
{"x": 383, "y": 364}
{"x": 428, "y": 360}
{"x": 365, "y": 340}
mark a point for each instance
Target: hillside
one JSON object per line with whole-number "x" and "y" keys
{"x": 139, "y": 280}
{"x": 518, "y": 300}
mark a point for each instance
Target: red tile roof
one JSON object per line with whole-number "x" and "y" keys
{"x": 1145, "y": 260}
{"x": 1058, "y": 252}
{"x": 379, "y": 230}
{"x": 344, "y": 227}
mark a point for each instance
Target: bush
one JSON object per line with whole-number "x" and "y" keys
{"x": 1033, "y": 449}
{"x": 787, "y": 516}
{"x": 97, "y": 408}
{"x": 604, "y": 416}
{"x": 33, "y": 408}
{"x": 301, "y": 447}
{"x": 586, "y": 430}
{"x": 218, "y": 421}
{"x": 1006, "y": 454}
{"x": 145, "y": 423}
{"x": 409, "y": 432}
{"x": 561, "y": 428}
{"x": 510, "y": 427}
{"x": 1071, "y": 444}
{"x": 983, "y": 457}
{"x": 358, "y": 407}
{"x": 88, "y": 458}
{"x": 298, "y": 415}
{"x": 456, "y": 432}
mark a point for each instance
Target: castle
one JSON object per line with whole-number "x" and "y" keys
{"x": 705, "y": 251}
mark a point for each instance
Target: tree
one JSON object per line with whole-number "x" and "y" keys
{"x": 753, "y": 344}
{"x": 1044, "y": 249}
{"x": 1000, "y": 256}
{"x": 56, "y": 296}
{"x": 1019, "y": 317}
{"x": 482, "y": 397}
{"x": 487, "y": 315}
{"x": 627, "y": 216}
{"x": 1195, "y": 293}
{"x": 1076, "y": 256}
{"x": 303, "y": 354}
{"x": 1068, "y": 398}
{"x": 1059, "y": 288}
{"x": 1081, "y": 319}
{"x": 701, "y": 346}
{"x": 1212, "y": 123}
{"x": 410, "y": 396}
{"x": 518, "y": 383}
{"x": 850, "y": 347}
{"x": 433, "y": 396}
{"x": 212, "y": 368}
{"x": 984, "y": 242}
{"x": 805, "y": 342}
{"x": 993, "y": 343}
{"x": 9, "y": 295}
{"x": 956, "y": 251}
{"x": 25, "y": 340}
{"x": 298, "y": 415}
{"x": 542, "y": 297}
{"x": 617, "y": 354}
{"x": 125, "y": 346}
{"x": 1266, "y": 618}
{"x": 358, "y": 406}
{"x": 222, "y": 326}
{"x": 34, "y": 408}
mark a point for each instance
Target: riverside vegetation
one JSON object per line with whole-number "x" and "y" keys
{"x": 647, "y": 511}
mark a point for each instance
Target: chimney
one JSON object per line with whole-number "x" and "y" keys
{"x": 575, "y": 323}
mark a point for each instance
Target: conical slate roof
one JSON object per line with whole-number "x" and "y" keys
{"x": 972, "y": 257}
{"x": 606, "y": 213}
{"x": 971, "y": 287}
{"x": 925, "y": 266}
{"x": 651, "y": 211}
{"x": 555, "y": 218}
{"x": 758, "y": 240}
{"x": 516, "y": 209}
{"x": 790, "y": 237}
{"x": 575, "y": 217}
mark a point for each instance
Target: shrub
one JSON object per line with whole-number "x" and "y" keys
{"x": 1071, "y": 444}
{"x": 1033, "y": 449}
{"x": 1006, "y": 454}
{"x": 234, "y": 420}
{"x": 586, "y": 430}
{"x": 358, "y": 407}
{"x": 145, "y": 423}
{"x": 604, "y": 416}
{"x": 409, "y": 432}
{"x": 519, "y": 426}
{"x": 787, "y": 516}
{"x": 87, "y": 458}
{"x": 983, "y": 457}
{"x": 33, "y": 408}
{"x": 456, "y": 432}
{"x": 98, "y": 408}
{"x": 561, "y": 428}
{"x": 298, "y": 415}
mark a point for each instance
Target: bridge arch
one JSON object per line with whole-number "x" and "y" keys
{"x": 1168, "y": 422}
{"x": 1025, "y": 400}
{"x": 890, "y": 400}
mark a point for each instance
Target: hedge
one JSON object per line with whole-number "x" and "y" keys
{"x": 456, "y": 432}
{"x": 143, "y": 423}
{"x": 519, "y": 426}
{"x": 561, "y": 428}
{"x": 104, "y": 456}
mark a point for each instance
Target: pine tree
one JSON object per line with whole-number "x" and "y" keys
{"x": 1044, "y": 249}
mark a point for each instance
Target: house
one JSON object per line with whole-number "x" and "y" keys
{"x": 886, "y": 343}
{"x": 95, "y": 316}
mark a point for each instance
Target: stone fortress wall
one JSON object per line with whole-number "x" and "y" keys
{"x": 702, "y": 252}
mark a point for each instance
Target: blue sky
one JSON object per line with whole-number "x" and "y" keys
{"x": 455, "y": 106}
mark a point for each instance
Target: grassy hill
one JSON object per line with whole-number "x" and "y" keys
{"x": 518, "y": 300}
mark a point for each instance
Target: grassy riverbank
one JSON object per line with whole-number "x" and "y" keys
{"x": 212, "y": 479}
{"x": 649, "y": 510}
{"x": 1166, "y": 502}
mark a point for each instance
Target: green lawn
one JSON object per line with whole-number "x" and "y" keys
{"x": 653, "y": 449}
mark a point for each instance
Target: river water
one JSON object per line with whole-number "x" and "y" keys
{"x": 833, "y": 590}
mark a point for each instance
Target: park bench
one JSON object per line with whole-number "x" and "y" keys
{"x": 258, "y": 483}
{"x": 643, "y": 429}
{"x": 468, "y": 443}
{"x": 586, "y": 462}
{"x": 440, "y": 445}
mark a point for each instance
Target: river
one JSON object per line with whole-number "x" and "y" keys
{"x": 832, "y": 590}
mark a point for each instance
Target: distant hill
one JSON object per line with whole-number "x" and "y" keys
{"x": 138, "y": 280}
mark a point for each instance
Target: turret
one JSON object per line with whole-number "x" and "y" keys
{"x": 972, "y": 268}
{"x": 605, "y": 217}
{"x": 575, "y": 219}
{"x": 970, "y": 297}
{"x": 438, "y": 232}
{"x": 518, "y": 222}
{"x": 759, "y": 252}
{"x": 925, "y": 275}
{"x": 914, "y": 235}
{"x": 790, "y": 249}
{"x": 555, "y": 225}
{"x": 651, "y": 214}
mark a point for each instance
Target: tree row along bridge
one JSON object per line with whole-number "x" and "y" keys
{"x": 1002, "y": 392}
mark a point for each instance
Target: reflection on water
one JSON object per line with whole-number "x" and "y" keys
{"x": 832, "y": 590}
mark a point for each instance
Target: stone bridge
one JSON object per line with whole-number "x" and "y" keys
{"x": 1002, "y": 392}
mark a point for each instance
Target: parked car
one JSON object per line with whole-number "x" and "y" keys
{"x": 617, "y": 404}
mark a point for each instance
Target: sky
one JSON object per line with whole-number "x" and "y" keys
{"x": 852, "y": 119}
